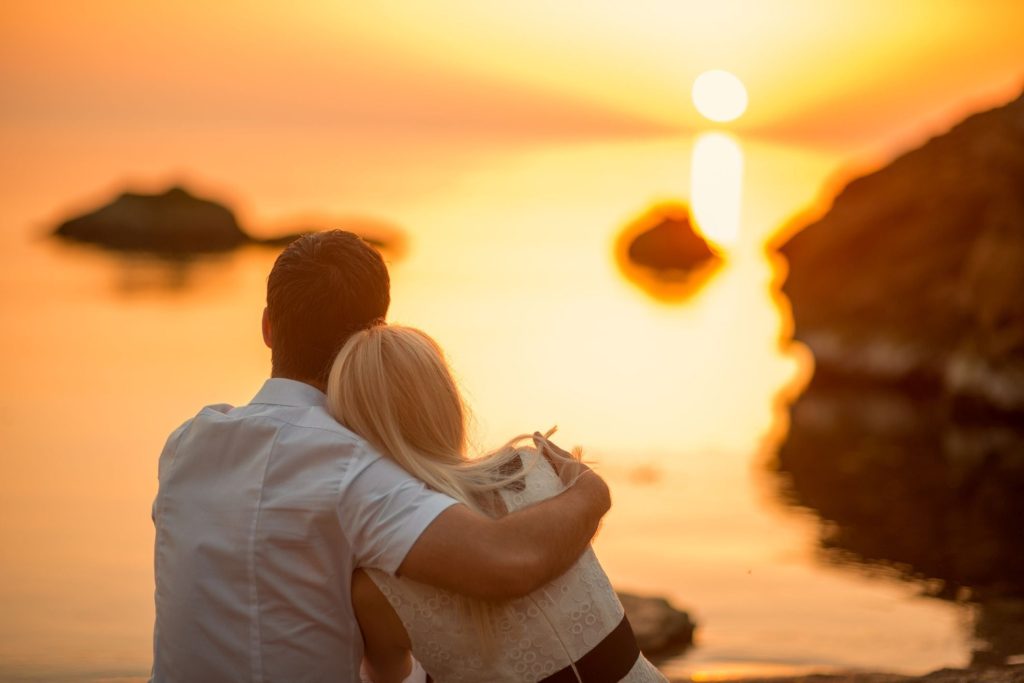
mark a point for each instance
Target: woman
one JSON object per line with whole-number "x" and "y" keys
{"x": 392, "y": 386}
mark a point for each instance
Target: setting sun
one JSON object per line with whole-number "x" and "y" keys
{"x": 719, "y": 95}
{"x": 700, "y": 237}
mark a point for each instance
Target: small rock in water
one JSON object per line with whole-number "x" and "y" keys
{"x": 667, "y": 241}
{"x": 174, "y": 222}
{"x": 660, "y": 628}
{"x": 1002, "y": 674}
{"x": 662, "y": 253}
{"x": 178, "y": 224}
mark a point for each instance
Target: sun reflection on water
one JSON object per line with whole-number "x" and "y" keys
{"x": 716, "y": 187}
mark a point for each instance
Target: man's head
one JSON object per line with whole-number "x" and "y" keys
{"x": 323, "y": 287}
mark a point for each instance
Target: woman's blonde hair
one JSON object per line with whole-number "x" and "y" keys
{"x": 392, "y": 386}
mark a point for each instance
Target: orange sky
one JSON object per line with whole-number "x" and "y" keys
{"x": 843, "y": 72}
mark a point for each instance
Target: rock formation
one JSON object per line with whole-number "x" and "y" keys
{"x": 901, "y": 481}
{"x": 999, "y": 674}
{"x": 662, "y": 253}
{"x": 909, "y": 441}
{"x": 660, "y": 628}
{"x": 178, "y": 224}
{"x": 175, "y": 222}
{"x": 668, "y": 243}
{"x": 916, "y": 274}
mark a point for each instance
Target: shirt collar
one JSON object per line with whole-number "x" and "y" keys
{"x": 279, "y": 391}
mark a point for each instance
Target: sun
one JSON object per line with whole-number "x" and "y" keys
{"x": 719, "y": 95}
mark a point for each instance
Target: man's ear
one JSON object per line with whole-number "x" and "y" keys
{"x": 266, "y": 329}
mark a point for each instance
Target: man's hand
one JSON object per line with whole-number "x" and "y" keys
{"x": 500, "y": 559}
{"x": 568, "y": 466}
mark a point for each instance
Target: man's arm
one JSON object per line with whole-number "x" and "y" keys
{"x": 505, "y": 558}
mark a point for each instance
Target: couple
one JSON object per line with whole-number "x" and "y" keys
{"x": 335, "y": 527}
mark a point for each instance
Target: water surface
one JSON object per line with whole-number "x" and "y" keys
{"x": 511, "y": 266}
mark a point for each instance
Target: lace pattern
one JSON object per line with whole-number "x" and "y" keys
{"x": 535, "y": 636}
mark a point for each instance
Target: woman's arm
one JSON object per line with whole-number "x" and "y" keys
{"x": 499, "y": 559}
{"x": 386, "y": 643}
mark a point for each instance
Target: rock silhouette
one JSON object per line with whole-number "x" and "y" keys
{"x": 916, "y": 274}
{"x": 905, "y": 481}
{"x": 663, "y": 254}
{"x": 666, "y": 242}
{"x": 660, "y": 628}
{"x": 178, "y": 224}
{"x": 910, "y": 485}
{"x": 909, "y": 441}
{"x": 175, "y": 222}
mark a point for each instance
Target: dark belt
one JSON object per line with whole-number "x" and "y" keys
{"x": 608, "y": 662}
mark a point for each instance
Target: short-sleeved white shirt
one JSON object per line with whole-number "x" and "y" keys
{"x": 262, "y": 514}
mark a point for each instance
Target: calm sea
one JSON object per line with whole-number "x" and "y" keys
{"x": 510, "y": 263}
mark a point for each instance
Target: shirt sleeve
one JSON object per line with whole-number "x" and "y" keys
{"x": 166, "y": 456}
{"x": 383, "y": 510}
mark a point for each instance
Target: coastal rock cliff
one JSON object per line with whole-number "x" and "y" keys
{"x": 916, "y": 274}
{"x": 908, "y": 443}
{"x": 898, "y": 481}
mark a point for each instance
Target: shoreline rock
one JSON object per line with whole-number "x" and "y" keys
{"x": 908, "y": 443}
{"x": 907, "y": 488}
{"x": 661, "y": 630}
{"x": 1002, "y": 674}
{"x": 915, "y": 272}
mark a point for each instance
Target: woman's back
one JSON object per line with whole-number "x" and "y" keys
{"x": 573, "y": 628}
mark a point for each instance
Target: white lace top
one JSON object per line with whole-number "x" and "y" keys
{"x": 536, "y": 635}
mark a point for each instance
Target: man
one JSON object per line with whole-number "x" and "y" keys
{"x": 264, "y": 510}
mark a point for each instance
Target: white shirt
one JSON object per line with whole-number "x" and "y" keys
{"x": 262, "y": 514}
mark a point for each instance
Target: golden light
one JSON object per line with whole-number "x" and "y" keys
{"x": 719, "y": 95}
{"x": 716, "y": 187}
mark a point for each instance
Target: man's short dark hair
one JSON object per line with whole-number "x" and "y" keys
{"x": 323, "y": 287}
